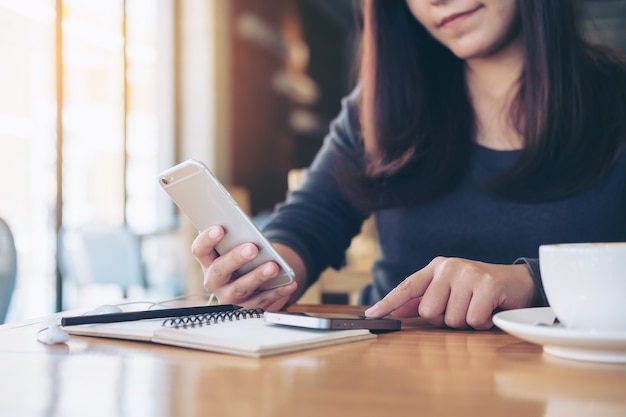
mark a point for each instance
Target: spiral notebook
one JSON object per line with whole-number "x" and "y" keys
{"x": 240, "y": 332}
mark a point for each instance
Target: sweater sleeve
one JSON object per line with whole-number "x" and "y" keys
{"x": 533, "y": 267}
{"x": 318, "y": 220}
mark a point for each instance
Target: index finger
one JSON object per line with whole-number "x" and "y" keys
{"x": 411, "y": 288}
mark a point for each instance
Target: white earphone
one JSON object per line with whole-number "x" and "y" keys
{"x": 52, "y": 335}
{"x": 104, "y": 309}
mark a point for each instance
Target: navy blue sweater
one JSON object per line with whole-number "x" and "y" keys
{"x": 318, "y": 220}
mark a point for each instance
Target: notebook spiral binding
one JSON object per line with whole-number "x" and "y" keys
{"x": 209, "y": 318}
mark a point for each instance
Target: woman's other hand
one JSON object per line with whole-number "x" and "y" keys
{"x": 458, "y": 293}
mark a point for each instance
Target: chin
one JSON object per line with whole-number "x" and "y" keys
{"x": 483, "y": 47}
{"x": 474, "y": 50}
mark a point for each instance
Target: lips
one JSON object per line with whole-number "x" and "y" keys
{"x": 456, "y": 16}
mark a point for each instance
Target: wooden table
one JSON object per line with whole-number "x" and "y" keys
{"x": 418, "y": 371}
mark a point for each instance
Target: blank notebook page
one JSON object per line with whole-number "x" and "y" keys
{"x": 254, "y": 337}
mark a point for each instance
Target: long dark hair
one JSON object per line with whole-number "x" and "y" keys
{"x": 418, "y": 125}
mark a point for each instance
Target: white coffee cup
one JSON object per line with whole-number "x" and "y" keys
{"x": 585, "y": 284}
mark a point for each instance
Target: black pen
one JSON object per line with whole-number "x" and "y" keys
{"x": 146, "y": 314}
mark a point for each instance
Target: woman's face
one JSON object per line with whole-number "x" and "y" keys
{"x": 469, "y": 28}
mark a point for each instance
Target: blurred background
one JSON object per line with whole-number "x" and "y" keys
{"x": 98, "y": 97}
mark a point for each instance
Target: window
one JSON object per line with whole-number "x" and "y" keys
{"x": 116, "y": 119}
{"x": 28, "y": 146}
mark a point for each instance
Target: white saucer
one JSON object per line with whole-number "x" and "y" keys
{"x": 535, "y": 325}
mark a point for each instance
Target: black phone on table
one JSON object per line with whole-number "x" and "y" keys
{"x": 331, "y": 321}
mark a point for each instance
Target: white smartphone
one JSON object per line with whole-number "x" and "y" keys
{"x": 206, "y": 202}
{"x": 331, "y": 321}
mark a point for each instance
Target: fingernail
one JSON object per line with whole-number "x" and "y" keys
{"x": 247, "y": 251}
{"x": 372, "y": 310}
{"x": 214, "y": 232}
{"x": 269, "y": 271}
{"x": 287, "y": 289}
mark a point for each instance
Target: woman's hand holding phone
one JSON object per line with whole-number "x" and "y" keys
{"x": 238, "y": 262}
{"x": 219, "y": 273}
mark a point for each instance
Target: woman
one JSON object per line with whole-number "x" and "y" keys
{"x": 481, "y": 129}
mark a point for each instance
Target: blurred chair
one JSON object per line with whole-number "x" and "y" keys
{"x": 164, "y": 254}
{"x": 8, "y": 268}
{"x": 100, "y": 254}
